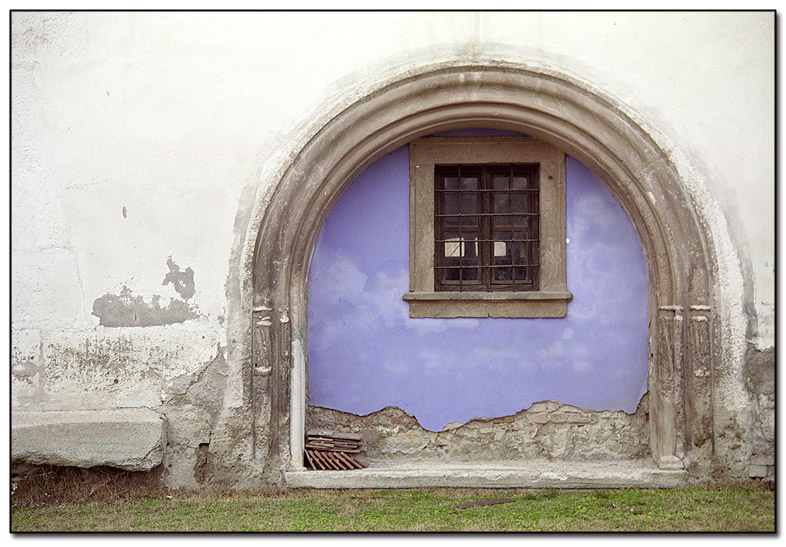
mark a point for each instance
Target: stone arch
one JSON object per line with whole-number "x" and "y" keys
{"x": 679, "y": 262}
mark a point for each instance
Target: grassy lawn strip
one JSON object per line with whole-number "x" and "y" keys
{"x": 711, "y": 509}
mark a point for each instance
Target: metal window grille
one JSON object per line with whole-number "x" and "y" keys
{"x": 487, "y": 224}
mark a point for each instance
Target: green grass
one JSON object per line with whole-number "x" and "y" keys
{"x": 700, "y": 509}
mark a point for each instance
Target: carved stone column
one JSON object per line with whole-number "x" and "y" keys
{"x": 698, "y": 378}
{"x": 260, "y": 371}
{"x": 281, "y": 390}
{"x": 667, "y": 370}
{"x": 269, "y": 385}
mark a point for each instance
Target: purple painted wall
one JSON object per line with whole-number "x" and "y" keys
{"x": 365, "y": 352}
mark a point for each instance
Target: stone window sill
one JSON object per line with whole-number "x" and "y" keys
{"x": 547, "y": 304}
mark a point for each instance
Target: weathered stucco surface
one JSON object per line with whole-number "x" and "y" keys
{"x": 760, "y": 383}
{"x": 142, "y": 136}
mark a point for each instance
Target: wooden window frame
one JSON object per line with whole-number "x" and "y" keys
{"x": 551, "y": 298}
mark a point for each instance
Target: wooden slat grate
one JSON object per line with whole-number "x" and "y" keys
{"x": 332, "y": 450}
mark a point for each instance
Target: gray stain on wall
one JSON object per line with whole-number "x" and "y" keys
{"x": 183, "y": 282}
{"x": 129, "y": 310}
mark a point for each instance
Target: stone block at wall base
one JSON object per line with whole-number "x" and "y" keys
{"x": 130, "y": 439}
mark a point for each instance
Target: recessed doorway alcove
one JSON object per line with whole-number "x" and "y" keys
{"x": 551, "y": 107}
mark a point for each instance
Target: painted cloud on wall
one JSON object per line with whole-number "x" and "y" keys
{"x": 365, "y": 352}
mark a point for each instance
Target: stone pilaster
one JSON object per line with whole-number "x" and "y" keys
{"x": 260, "y": 370}
{"x": 667, "y": 369}
{"x": 698, "y": 378}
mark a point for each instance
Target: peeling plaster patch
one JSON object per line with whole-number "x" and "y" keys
{"x": 192, "y": 404}
{"x": 183, "y": 282}
{"x": 127, "y": 310}
{"x": 547, "y": 430}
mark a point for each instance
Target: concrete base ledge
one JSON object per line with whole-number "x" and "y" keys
{"x": 533, "y": 474}
{"x": 130, "y": 438}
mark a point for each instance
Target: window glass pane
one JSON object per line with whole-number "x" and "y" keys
{"x": 522, "y": 254}
{"x": 451, "y": 274}
{"x": 519, "y": 183}
{"x": 469, "y": 184}
{"x": 451, "y": 198}
{"x": 454, "y": 247}
{"x": 460, "y": 201}
{"x": 503, "y": 258}
{"x": 503, "y": 274}
{"x": 469, "y": 274}
{"x": 522, "y": 202}
{"x": 468, "y": 200}
{"x": 499, "y": 183}
{"x": 460, "y": 274}
{"x": 522, "y": 275}
{"x": 500, "y": 200}
{"x": 461, "y": 257}
{"x": 461, "y": 247}
{"x": 464, "y": 246}
{"x": 512, "y": 249}
{"x": 502, "y": 204}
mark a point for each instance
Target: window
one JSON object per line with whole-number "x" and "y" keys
{"x": 487, "y": 228}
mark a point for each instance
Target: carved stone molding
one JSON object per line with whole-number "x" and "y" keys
{"x": 698, "y": 377}
{"x": 666, "y": 389}
{"x": 261, "y": 366}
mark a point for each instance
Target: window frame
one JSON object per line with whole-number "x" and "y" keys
{"x": 552, "y": 297}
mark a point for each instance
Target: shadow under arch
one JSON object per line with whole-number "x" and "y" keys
{"x": 679, "y": 263}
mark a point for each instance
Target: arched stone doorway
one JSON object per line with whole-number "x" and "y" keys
{"x": 680, "y": 266}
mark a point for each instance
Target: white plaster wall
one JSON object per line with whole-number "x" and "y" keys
{"x": 172, "y": 115}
